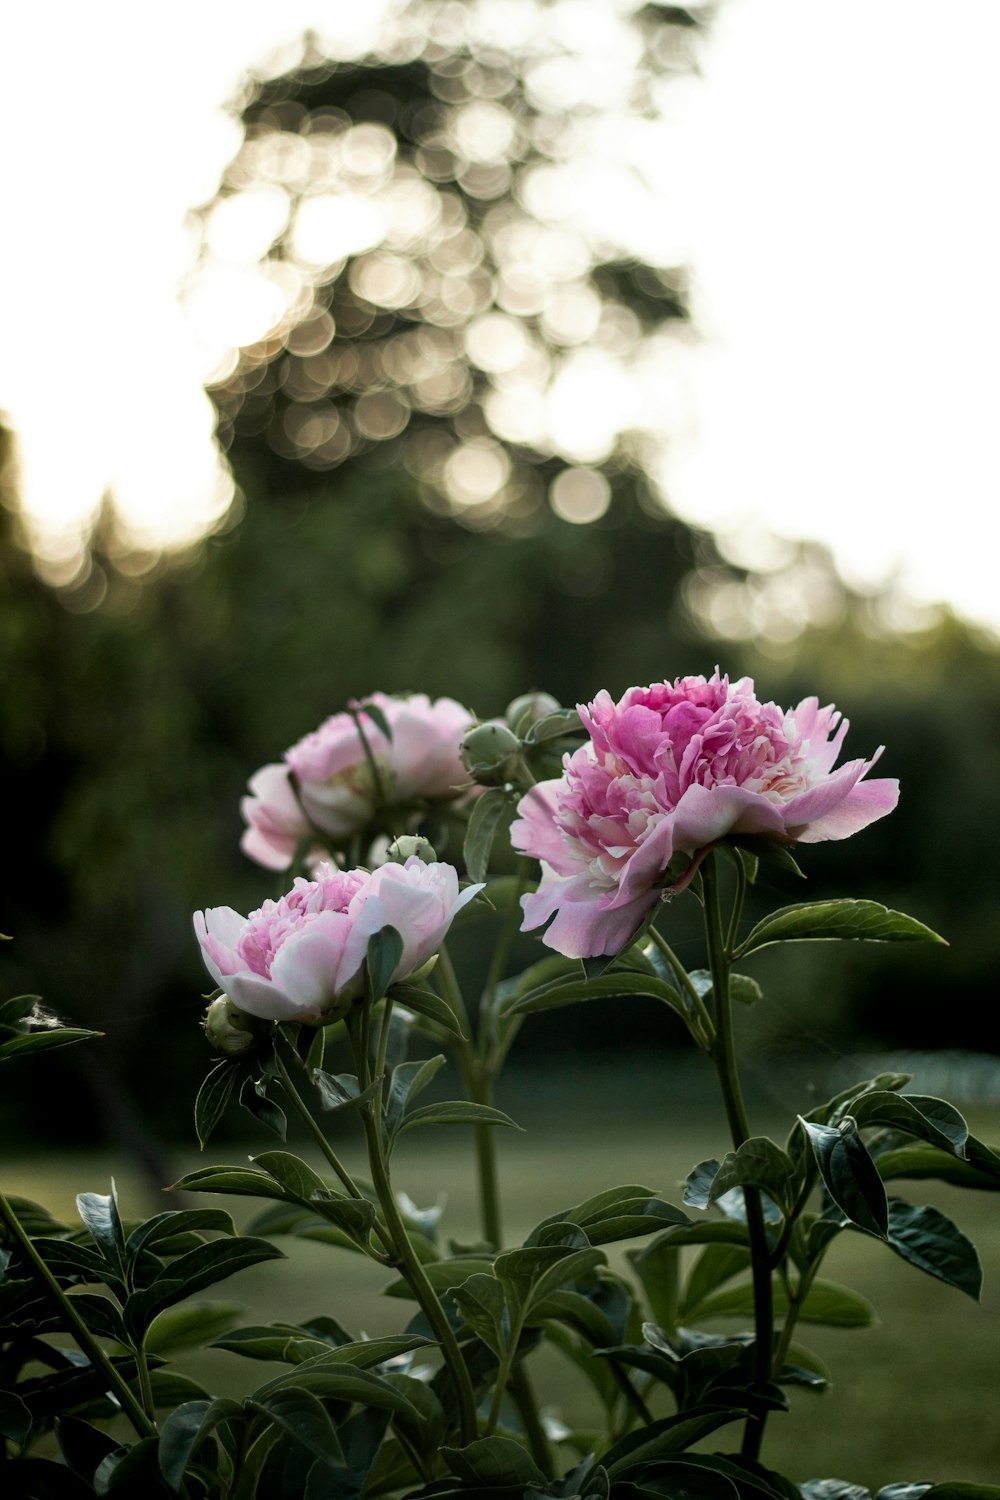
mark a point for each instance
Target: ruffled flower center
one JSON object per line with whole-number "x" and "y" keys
{"x": 268, "y": 928}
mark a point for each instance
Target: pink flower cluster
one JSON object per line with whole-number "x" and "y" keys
{"x": 669, "y": 769}
{"x": 302, "y": 958}
{"x": 338, "y": 791}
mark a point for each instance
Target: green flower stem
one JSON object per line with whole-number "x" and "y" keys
{"x": 724, "y": 1057}
{"x": 795, "y": 1301}
{"x": 487, "y": 1014}
{"x": 705, "y": 1033}
{"x": 403, "y": 1252}
{"x": 305, "y": 1115}
{"x": 145, "y": 1386}
{"x": 451, "y": 990}
{"x": 143, "y": 1424}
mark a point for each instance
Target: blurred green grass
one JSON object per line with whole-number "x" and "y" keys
{"x": 916, "y": 1397}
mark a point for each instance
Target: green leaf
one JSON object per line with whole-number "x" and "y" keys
{"x": 18, "y": 1007}
{"x": 715, "y": 1265}
{"x": 658, "y": 1269}
{"x": 342, "y": 1091}
{"x": 932, "y": 1120}
{"x": 666, "y": 1436}
{"x": 304, "y": 1417}
{"x": 952, "y": 1489}
{"x": 214, "y": 1096}
{"x": 553, "y": 726}
{"x": 530, "y": 1274}
{"x": 741, "y": 987}
{"x": 456, "y": 1112}
{"x": 254, "y": 1099}
{"x": 292, "y": 1173}
{"x": 177, "y": 1221}
{"x": 15, "y": 1418}
{"x": 130, "y": 1470}
{"x": 482, "y": 1304}
{"x": 430, "y": 1006}
{"x": 185, "y": 1429}
{"x": 850, "y": 1176}
{"x": 191, "y": 1273}
{"x": 33, "y": 1218}
{"x": 354, "y": 1215}
{"x": 928, "y": 1161}
{"x": 190, "y": 1327}
{"x": 243, "y": 1182}
{"x": 385, "y": 949}
{"x": 866, "y": 921}
{"x": 43, "y": 1041}
{"x": 488, "y": 813}
{"x": 833, "y": 1489}
{"x": 758, "y": 1163}
{"x": 83, "y": 1446}
{"x": 443, "y": 1275}
{"x": 408, "y": 1080}
{"x": 341, "y": 1382}
{"x": 826, "y": 1303}
{"x": 562, "y": 992}
{"x": 495, "y": 1461}
{"x": 99, "y": 1213}
{"x": 931, "y": 1242}
{"x": 698, "y": 1184}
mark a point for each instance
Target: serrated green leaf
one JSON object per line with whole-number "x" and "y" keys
{"x": 931, "y": 1242}
{"x": 489, "y": 811}
{"x": 850, "y": 1176}
{"x": 864, "y": 921}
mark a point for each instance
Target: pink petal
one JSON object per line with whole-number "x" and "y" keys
{"x": 864, "y": 804}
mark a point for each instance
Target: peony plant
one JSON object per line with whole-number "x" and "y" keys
{"x": 582, "y": 826}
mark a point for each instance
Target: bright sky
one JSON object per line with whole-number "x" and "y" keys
{"x": 832, "y": 181}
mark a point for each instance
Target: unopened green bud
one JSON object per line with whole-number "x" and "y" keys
{"x": 229, "y": 1030}
{"x": 408, "y": 845}
{"x": 526, "y": 710}
{"x": 491, "y": 753}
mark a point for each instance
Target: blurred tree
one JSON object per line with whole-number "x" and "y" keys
{"x": 466, "y": 253}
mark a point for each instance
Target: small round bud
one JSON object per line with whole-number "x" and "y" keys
{"x": 229, "y": 1030}
{"x": 491, "y": 753}
{"x": 526, "y": 710}
{"x": 408, "y": 845}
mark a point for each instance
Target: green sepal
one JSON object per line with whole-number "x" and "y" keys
{"x": 856, "y": 921}
{"x": 553, "y": 726}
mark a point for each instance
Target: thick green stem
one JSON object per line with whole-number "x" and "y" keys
{"x": 724, "y": 1057}
{"x": 144, "y": 1426}
{"x": 403, "y": 1252}
{"x": 304, "y": 1114}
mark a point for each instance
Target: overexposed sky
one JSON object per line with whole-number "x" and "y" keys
{"x": 831, "y": 180}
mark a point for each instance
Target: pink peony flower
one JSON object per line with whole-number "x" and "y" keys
{"x": 302, "y": 958}
{"x": 671, "y": 769}
{"x": 338, "y": 791}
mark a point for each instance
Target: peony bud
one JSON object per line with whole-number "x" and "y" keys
{"x": 408, "y": 846}
{"x": 526, "y": 710}
{"x": 229, "y": 1030}
{"x": 491, "y": 753}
